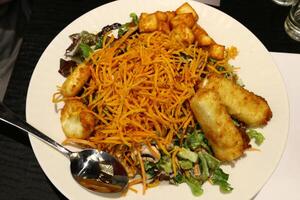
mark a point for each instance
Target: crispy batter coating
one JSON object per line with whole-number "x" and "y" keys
{"x": 76, "y": 123}
{"x": 76, "y": 80}
{"x": 225, "y": 138}
{"x": 242, "y": 104}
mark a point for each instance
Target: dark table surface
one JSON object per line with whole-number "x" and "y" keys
{"x": 20, "y": 174}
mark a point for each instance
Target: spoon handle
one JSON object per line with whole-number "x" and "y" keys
{"x": 10, "y": 117}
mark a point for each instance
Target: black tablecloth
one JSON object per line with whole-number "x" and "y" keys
{"x": 20, "y": 175}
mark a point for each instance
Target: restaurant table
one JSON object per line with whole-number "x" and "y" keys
{"x": 20, "y": 174}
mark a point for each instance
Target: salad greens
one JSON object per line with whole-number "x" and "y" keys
{"x": 196, "y": 165}
{"x": 125, "y": 27}
{"x": 188, "y": 155}
{"x": 84, "y": 43}
{"x": 220, "y": 178}
{"x": 85, "y": 49}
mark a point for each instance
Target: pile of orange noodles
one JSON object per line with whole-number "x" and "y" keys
{"x": 139, "y": 91}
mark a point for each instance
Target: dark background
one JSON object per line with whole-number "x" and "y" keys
{"x": 20, "y": 175}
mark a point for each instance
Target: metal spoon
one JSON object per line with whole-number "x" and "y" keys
{"x": 95, "y": 170}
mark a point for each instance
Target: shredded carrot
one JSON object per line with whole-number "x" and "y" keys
{"x": 153, "y": 183}
{"x": 135, "y": 181}
{"x": 142, "y": 171}
{"x": 174, "y": 160}
{"x": 132, "y": 189}
{"x": 74, "y": 141}
{"x": 252, "y": 149}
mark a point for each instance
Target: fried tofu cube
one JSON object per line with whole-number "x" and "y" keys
{"x": 217, "y": 51}
{"x": 186, "y": 18}
{"x": 202, "y": 37}
{"x": 170, "y": 15}
{"x": 148, "y": 23}
{"x": 164, "y": 27}
{"x": 161, "y": 16}
{"x": 204, "y": 40}
{"x": 187, "y": 8}
{"x": 183, "y": 34}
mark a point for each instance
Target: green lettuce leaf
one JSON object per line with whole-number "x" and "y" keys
{"x": 221, "y": 178}
{"x": 188, "y": 155}
{"x": 257, "y": 136}
{"x": 185, "y": 164}
{"x": 165, "y": 164}
{"x": 85, "y": 49}
{"x": 195, "y": 185}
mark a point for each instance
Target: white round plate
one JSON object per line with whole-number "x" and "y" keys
{"x": 257, "y": 70}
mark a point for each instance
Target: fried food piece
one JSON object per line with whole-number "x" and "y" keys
{"x": 161, "y": 16}
{"x": 185, "y": 18}
{"x": 217, "y": 51}
{"x": 243, "y": 105}
{"x": 201, "y": 36}
{"x": 224, "y": 137}
{"x": 148, "y": 23}
{"x": 170, "y": 15}
{"x": 76, "y": 80}
{"x": 75, "y": 121}
{"x": 164, "y": 27}
{"x": 183, "y": 34}
{"x": 187, "y": 8}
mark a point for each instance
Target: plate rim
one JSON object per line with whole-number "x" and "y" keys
{"x": 33, "y": 139}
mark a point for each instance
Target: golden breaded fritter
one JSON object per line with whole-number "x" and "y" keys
{"x": 224, "y": 137}
{"x": 76, "y": 80}
{"x": 76, "y": 121}
{"x": 240, "y": 103}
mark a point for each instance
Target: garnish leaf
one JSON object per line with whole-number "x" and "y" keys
{"x": 134, "y": 18}
{"x": 257, "y": 136}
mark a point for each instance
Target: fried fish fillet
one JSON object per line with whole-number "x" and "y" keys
{"x": 240, "y": 103}
{"x": 225, "y": 138}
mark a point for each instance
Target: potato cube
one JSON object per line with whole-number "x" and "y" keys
{"x": 148, "y": 23}
{"x": 187, "y": 8}
{"x": 217, "y": 51}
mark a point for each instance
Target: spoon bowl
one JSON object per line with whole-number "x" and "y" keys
{"x": 98, "y": 171}
{"x": 94, "y": 170}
